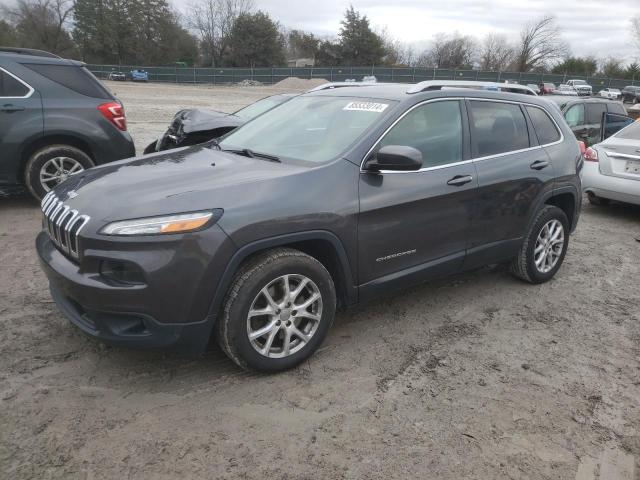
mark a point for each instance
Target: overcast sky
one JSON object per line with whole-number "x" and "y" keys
{"x": 591, "y": 27}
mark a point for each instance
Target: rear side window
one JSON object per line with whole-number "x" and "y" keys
{"x": 543, "y": 125}
{"x": 498, "y": 128}
{"x": 616, "y": 108}
{"x": 595, "y": 112}
{"x": 10, "y": 87}
{"x": 75, "y": 78}
{"x": 575, "y": 115}
{"x": 434, "y": 128}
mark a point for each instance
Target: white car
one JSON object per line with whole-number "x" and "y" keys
{"x": 612, "y": 93}
{"x": 565, "y": 90}
{"x": 612, "y": 168}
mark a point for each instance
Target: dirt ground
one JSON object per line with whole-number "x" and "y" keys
{"x": 477, "y": 376}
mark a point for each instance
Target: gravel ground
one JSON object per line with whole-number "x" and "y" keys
{"x": 475, "y": 376}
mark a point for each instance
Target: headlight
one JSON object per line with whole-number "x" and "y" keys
{"x": 180, "y": 223}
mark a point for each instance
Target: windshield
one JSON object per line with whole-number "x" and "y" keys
{"x": 308, "y": 128}
{"x": 261, "y": 106}
{"x": 632, "y": 132}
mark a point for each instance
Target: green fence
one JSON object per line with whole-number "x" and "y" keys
{"x": 221, "y": 76}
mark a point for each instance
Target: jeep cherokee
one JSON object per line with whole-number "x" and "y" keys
{"x": 332, "y": 198}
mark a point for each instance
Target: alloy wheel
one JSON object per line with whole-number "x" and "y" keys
{"x": 549, "y": 246}
{"x": 57, "y": 170}
{"x": 284, "y": 316}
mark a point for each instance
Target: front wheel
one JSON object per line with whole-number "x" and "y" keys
{"x": 52, "y": 165}
{"x": 277, "y": 312}
{"x": 544, "y": 248}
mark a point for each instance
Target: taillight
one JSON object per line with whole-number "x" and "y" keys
{"x": 583, "y": 147}
{"x": 114, "y": 112}
{"x": 590, "y": 155}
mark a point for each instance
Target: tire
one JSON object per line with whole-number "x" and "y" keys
{"x": 46, "y": 160}
{"x": 599, "y": 201}
{"x": 267, "y": 271}
{"x": 524, "y": 265}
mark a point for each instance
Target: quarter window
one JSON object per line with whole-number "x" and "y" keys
{"x": 545, "y": 128}
{"x": 575, "y": 115}
{"x": 434, "y": 128}
{"x": 498, "y": 128}
{"x": 10, "y": 87}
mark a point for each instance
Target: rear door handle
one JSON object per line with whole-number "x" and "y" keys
{"x": 539, "y": 164}
{"x": 460, "y": 180}
{"x": 10, "y": 108}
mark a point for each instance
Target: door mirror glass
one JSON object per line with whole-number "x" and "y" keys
{"x": 612, "y": 123}
{"x": 396, "y": 158}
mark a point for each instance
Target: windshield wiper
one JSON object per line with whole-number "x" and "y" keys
{"x": 247, "y": 152}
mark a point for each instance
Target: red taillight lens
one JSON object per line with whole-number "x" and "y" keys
{"x": 590, "y": 155}
{"x": 583, "y": 147}
{"x": 114, "y": 112}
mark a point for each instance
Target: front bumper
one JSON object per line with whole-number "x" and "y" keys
{"x": 606, "y": 186}
{"x": 170, "y": 310}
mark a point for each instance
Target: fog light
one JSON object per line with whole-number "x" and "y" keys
{"x": 123, "y": 272}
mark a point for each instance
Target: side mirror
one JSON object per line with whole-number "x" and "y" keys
{"x": 395, "y": 157}
{"x": 612, "y": 123}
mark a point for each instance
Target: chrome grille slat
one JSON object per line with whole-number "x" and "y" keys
{"x": 62, "y": 224}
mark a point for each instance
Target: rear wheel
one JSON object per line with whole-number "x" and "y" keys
{"x": 52, "y": 165}
{"x": 277, "y": 312}
{"x": 544, "y": 248}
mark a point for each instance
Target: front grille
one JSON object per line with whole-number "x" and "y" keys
{"x": 62, "y": 223}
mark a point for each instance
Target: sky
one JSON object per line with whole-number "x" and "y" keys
{"x": 591, "y": 27}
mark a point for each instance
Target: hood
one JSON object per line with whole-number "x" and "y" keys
{"x": 176, "y": 181}
{"x": 198, "y": 120}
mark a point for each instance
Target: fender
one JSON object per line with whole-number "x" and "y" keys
{"x": 542, "y": 199}
{"x": 282, "y": 240}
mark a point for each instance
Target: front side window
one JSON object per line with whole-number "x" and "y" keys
{"x": 498, "y": 128}
{"x": 575, "y": 115}
{"x": 434, "y": 128}
{"x": 309, "y": 128}
{"x": 10, "y": 87}
{"x": 543, "y": 125}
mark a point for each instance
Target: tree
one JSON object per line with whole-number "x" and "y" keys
{"x": 300, "y": 44}
{"x": 495, "y": 53}
{"x": 359, "y": 44}
{"x": 450, "y": 51}
{"x": 540, "y": 43}
{"x": 255, "y": 41}
{"x": 612, "y": 68}
{"x": 8, "y": 35}
{"x": 395, "y": 52}
{"x": 42, "y": 24}
{"x": 632, "y": 71}
{"x": 213, "y": 20}
{"x": 329, "y": 53}
{"x": 584, "y": 66}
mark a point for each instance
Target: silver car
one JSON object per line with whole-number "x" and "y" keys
{"x": 612, "y": 168}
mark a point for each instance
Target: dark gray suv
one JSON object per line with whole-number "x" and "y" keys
{"x": 56, "y": 119}
{"x": 333, "y": 198}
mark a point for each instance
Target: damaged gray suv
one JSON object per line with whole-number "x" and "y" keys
{"x": 333, "y": 198}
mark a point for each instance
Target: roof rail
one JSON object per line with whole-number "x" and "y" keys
{"x": 475, "y": 85}
{"x": 28, "y": 51}
{"x": 331, "y": 85}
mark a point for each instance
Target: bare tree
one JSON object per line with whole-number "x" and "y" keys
{"x": 496, "y": 54}
{"x": 450, "y": 51}
{"x": 42, "y": 23}
{"x": 213, "y": 20}
{"x": 540, "y": 43}
{"x": 396, "y": 52}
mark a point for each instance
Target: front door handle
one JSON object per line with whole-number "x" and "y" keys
{"x": 539, "y": 165}
{"x": 8, "y": 107}
{"x": 460, "y": 180}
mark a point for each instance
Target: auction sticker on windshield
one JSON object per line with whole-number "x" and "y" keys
{"x": 366, "y": 107}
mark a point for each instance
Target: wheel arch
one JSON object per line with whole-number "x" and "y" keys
{"x": 322, "y": 245}
{"x": 58, "y": 139}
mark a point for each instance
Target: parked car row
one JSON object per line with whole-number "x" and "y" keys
{"x": 133, "y": 75}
